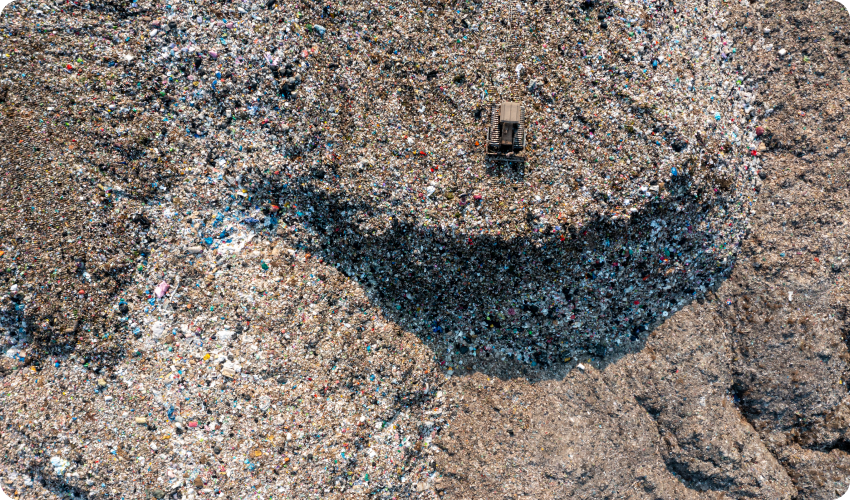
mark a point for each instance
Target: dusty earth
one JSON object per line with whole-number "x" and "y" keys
{"x": 743, "y": 395}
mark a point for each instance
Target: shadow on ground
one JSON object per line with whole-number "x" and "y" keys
{"x": 528, "y": 306}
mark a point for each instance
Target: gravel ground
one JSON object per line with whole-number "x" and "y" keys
{"x": 245, "y": 279}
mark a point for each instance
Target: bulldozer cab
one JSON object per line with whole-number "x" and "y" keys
{"x": 508, "y": 132}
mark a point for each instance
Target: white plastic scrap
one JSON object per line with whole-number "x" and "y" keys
{"x": 225, "y": 335}
{"x": 238, "y": 243}
{"x": 60, "y": 465}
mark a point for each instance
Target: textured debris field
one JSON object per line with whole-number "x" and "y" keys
{"x": 245, "y": 247}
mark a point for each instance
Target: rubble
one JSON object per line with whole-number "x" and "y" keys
{"x": 247, "y": 247}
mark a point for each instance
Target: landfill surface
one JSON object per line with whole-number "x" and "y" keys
{"x": 255, "y": 250}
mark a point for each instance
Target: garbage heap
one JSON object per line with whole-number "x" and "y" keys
{"x": 245, "y": 243}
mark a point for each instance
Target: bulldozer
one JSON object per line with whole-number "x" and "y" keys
{"x": 506, "y": 132}
{"x": 506, "y": 127}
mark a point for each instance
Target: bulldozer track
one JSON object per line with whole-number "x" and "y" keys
{"x": 510, "y": 50}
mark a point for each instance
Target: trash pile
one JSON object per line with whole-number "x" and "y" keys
{"x": 244, "y": 244}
